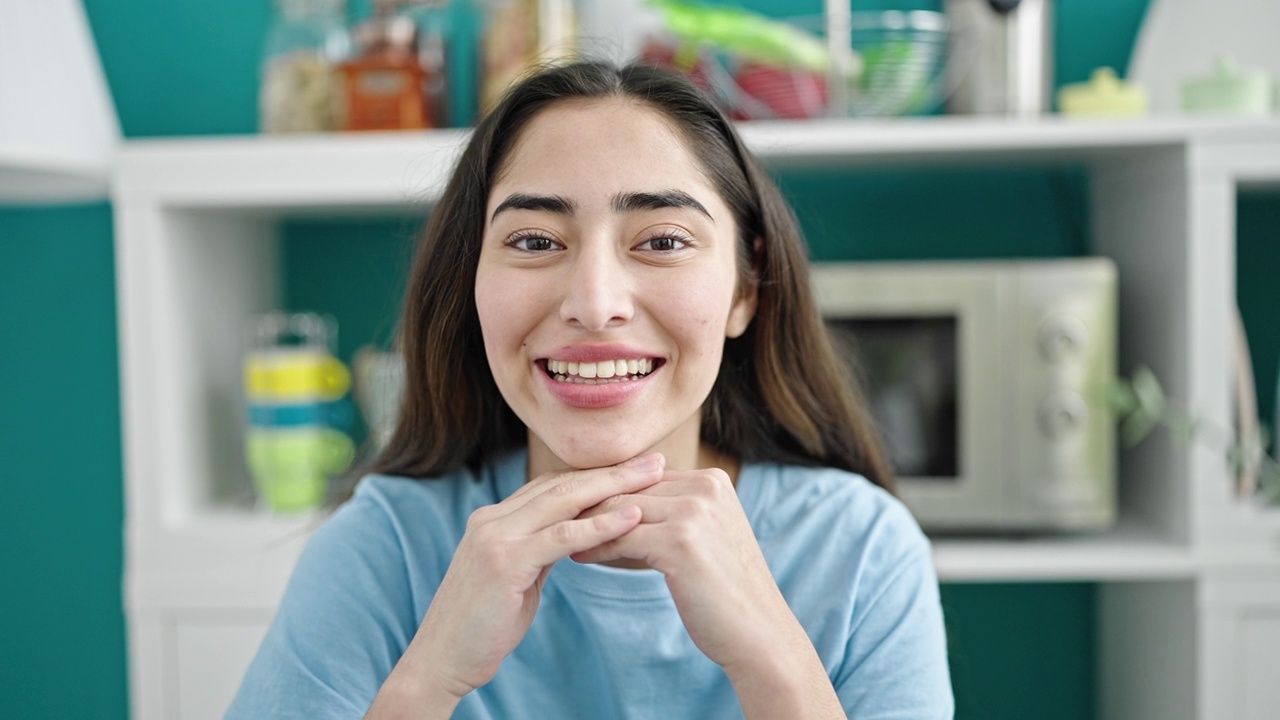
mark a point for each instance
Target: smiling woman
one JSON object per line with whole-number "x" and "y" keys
{"x": 589, "y": 260}
{"x": 629, "y": 479}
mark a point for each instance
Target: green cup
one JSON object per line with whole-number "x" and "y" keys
{"x": 291, "y": 466}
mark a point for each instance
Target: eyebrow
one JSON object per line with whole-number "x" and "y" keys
{"x": 631, "y": 202}
{"x": 622, "y": 202}
{"x": 546, "y": 203}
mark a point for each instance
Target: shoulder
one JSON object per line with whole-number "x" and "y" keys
{"x": 858, "y": 572}
{"x": 412, "y": 509}
{"x": 845, "y": 506}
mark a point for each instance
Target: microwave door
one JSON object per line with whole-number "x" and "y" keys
{"x": 928, "y": 360}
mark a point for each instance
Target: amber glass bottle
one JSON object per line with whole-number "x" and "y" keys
{"x": 385, "y": 83}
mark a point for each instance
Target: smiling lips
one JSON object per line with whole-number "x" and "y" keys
{"x": 604, "y": 371}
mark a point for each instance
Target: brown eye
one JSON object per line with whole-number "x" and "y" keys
{"x": 533, "y": 243}
{"x": 663, "y": 244}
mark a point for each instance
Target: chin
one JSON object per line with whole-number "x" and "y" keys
{"x": 584, "y": 454}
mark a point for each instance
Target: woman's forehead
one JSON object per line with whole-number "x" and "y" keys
{"x": 599, "y": 147}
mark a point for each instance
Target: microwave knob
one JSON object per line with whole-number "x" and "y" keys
{"x": 1060, "y": 337}
{"x": 1062, "y": 412}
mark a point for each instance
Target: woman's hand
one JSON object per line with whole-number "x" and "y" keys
{"x": 490, "y": 593}
{"x": 694, "y": 531}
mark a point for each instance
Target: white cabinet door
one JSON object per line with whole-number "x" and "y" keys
{"x": 1259, "y": 640}
{"x": 1240, "y": 661}
{"x": 211, "y": 656}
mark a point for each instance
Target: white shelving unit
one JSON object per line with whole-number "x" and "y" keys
{"x": 1189, "y": 620}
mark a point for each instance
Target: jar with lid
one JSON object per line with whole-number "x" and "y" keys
{"x": 301, "y": 89}
{"x": 523, "y": 34}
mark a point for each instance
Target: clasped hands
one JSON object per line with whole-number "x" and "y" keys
{"x": 688, "y": 525}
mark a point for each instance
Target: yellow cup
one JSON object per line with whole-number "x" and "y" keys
{"x": 285, "y": 376}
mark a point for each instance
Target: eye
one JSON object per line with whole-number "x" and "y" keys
{"x": 533, "y": 243}
{"x": 664, "y": 244}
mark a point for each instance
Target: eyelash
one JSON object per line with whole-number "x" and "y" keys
{"x": 684, "y": 240}
{"x": 521, "y": 237}
{"x": 517, "y": 239}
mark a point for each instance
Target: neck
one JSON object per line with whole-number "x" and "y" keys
{"x": 683, "y": 450}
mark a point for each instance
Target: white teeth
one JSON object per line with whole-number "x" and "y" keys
{"x": 605, "y": 370}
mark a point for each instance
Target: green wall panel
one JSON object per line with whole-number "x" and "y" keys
{"x": 941, "y": 213}
{"x": 1258, "y": 260}
{"x": 62, "y": 645}
{"x": 1022, "y": 651}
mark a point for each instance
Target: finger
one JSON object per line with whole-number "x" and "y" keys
{"x": 568, "y": 496}
{"x": 567, "y": 537}
{"x": 545, "y": 482}
{"x": 709, "y": 486}
{"x": 653, "y": 508}
{"x": 631, "y": 545}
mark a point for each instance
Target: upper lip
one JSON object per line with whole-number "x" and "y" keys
{"x": 599, "y": 353}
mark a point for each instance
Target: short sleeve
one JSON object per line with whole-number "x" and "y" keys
{"x": 895, "y": 667}
{"x": 345, "y": 619}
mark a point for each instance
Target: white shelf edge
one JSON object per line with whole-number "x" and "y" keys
{"x": 407, "y": 170}
{"x": 28, "y": 176}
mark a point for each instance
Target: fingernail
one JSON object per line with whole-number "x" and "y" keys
{"x": 648, "y": 461}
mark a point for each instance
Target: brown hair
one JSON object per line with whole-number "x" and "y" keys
{"x": 782, "y": 393}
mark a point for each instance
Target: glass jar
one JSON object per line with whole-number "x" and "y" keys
{"x": 301, "y": 90}
{"x": 523, "y": 34}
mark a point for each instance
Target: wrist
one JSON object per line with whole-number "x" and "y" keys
{"x": 416, "y": 693}
{"x": 785, "y": 684}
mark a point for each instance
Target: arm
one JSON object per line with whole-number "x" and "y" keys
{"x": 786, "y": 683}
{"x": 346, "y": 637}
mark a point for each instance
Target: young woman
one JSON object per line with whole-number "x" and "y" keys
{"x": 630, "y": 478}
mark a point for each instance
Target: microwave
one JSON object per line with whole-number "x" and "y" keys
{"x": 989, "y": 383}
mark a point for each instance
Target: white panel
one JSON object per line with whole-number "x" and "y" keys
{"x": 1260, "y": 660}
{"x": 211, "y": 658}
{"x": 1140, "y": 221}
{"x": 146, "y": 666}
{"x": 58, "y": 126}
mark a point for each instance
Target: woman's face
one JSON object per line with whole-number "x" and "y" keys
{"x": 604, "y": 242}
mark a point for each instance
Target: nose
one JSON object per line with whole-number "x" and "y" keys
{"x": 599, "y": 291}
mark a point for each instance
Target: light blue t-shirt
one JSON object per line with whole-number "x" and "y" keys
{"x": 607, "y": 642}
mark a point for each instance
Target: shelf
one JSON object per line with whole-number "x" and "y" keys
{"x": 1127, "y": 553}
{"x": 406, "y": 171}
{"x": 34, "y": 177}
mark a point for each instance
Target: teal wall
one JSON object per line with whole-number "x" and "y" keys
{"x": 188, "y": 67}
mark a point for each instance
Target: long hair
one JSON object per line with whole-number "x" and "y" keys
{"x": 782, "y": 394}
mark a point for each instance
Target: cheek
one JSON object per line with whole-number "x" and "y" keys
{"x": 493, "y": 307}
{"x": 702, "y": 311}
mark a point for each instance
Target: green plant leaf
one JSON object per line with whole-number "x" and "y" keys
{"x": 1148, "y": 407}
